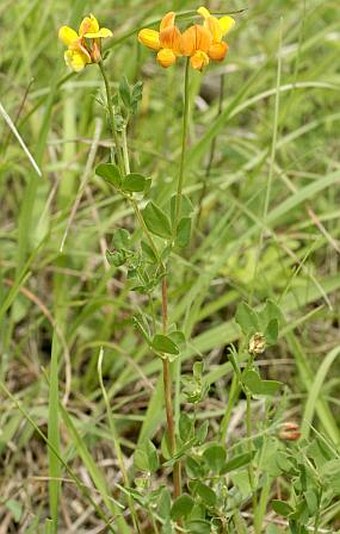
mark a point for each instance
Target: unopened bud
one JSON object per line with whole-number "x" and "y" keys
{"x": 257, "y": 344}
{"x": 289, "y": 431}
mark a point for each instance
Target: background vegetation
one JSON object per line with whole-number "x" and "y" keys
{"x": 268, "y": 228}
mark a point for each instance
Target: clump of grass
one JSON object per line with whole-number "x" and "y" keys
{"x": 169, "y": 334}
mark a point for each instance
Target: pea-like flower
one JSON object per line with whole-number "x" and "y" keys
{"x": 195, "y": 43}
{"x": 84, "y": 47}
{"x": 166, "y": 41}
{"x": 218, "y": 28}
{"x": 204, "y": 43}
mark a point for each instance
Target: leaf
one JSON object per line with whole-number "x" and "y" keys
{"x": 146, "y": 457}
{"x": 271, "y": 332}
{"x": 121, "y": 239}
{"x": 186, "y": 207}
{"x": 149, "y": 253}
{"x": 202, "y": 432}
{"x": 183, "y": 232}
{"x": 207, "y": 495}
{"x": 270, "y": 312}
{"x": 252, "y": 380}
{"x": 125, "y": 91}
{"x": 194, "y": 468}
{"x": 247, "y": 319}
{"x": 199, "y": 526}
{"x": 161, "y": 343}
{"x": 135, "y": 183}
{"x": 182, "y": 507}
{"x": 282, "y": 507}
{"x": 215, "y": 456}
{"x": 186, "y": 427}
{"x": 238, "y": 461}
{"x": 157, "y": 221}
{"x": 178, "y": 337}
{"x": 110, "y": 173}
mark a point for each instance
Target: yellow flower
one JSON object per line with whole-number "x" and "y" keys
{"x": 83, "y": 47}
{"x": 166, "y": 41}
{"x": 195, "y": 43}
{"x": 217, "y": 28}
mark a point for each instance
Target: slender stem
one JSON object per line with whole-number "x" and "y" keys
{"x": 125, "y": 151}
{"x": 167, "y": 380}
{"x": 113, "y": 128}
{"x": 184, "y": 143}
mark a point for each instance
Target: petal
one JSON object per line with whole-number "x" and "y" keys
{"x": 67, "y": 35}
{"x": 217, "y": 51}
{"x": 76, "y": 59}
{"x": 149, "y": 38}
{"x": 168, "y": 20}
{"x": 212, "y": 24}
{"x": 166, "y": 57}
{"x": 195, "y": 38}
{"x": 199, "y": 60}
{"x": 204, "y": 12}
{"x": 102, "y": 33}
{"x": 226, "y": 23}
{"x": 170, "y": 38}
{"x": 88, "y": 25}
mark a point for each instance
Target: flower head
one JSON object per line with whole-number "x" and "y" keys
{"x": 218, "y": 28}
{"x": 205, "y": 43}
{"x": 166, "y": 41}
{"x": 83, "y": 47}
{"x": 195, "y": 43}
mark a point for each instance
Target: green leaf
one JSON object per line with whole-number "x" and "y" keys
{"x": 146, "y": 457}
{"x": 183, "y": 232}
{"x": 238, "y": 461}
{"x": 182, "y": 507}
{"x": 157, "y": 221}
{"x": 252, "y": 380}
{"x": 110, "y": 173}
{"x": 186, "y": 427}
{"x": 115, "y": 257}
{"x": 199, "y": 526}
{"x": 194, "y": 468}
{"x": 215, "y": 456}
{"x": 135, "y": 183}
{"x": 178, "y": 337}
{"x": 282, "y": 507}
{"x": 202, "y": 432}
{"x": 186, "y": 207}
{"x": 269, "y": 312}
{"x": 247, "y": 319}
{"x": 271, "y": 332}
{"x": 149, "y": 253}
{"x": 207, "y": 495}
{"x": 125, "y": 91}
{"x": 121, "y": 239}
{"x": 161, "y": 343}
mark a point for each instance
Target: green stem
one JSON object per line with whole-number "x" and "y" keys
{"x": 113, "y": 128}
{"x": 167, "y": 381}
{"x": 184, "y": 143}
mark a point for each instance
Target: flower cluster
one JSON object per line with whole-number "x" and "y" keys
{"x": 83, "y": 47}
{"x": 201, "y": 43}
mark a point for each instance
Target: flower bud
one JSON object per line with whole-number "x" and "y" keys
{"x": 257, "y": 344}
{"x": 289, "y": 431}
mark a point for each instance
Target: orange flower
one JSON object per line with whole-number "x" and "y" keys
{"x": 217, "y": 28}
{"x": 195, "y": 43}
{"x": 166, "y": 41}
{"x": 204, "y": 43}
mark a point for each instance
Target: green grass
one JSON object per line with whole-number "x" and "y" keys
{"x": 268, "y": 229}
